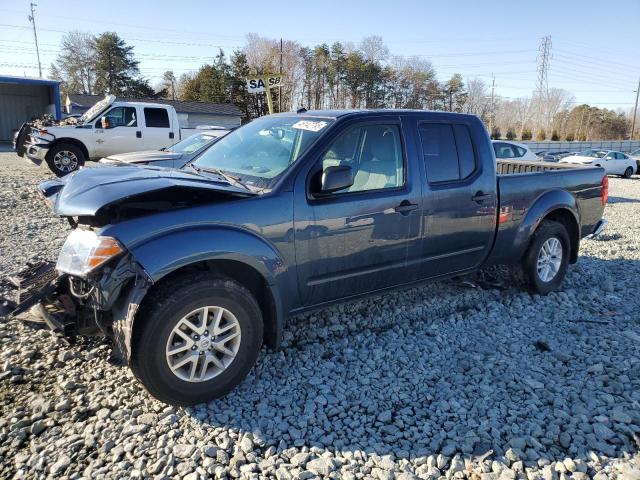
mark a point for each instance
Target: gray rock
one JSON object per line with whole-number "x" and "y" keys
{"x": 184, "y": 451}
{"x": 60, "y": 465}
{"x": 320, "y": 466}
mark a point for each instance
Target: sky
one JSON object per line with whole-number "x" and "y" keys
{"x": 595, "y": 45}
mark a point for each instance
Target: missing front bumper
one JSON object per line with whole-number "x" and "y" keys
{"x": 41, "y": 288}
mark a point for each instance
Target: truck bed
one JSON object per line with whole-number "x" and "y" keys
{"x": 521, "y": 184}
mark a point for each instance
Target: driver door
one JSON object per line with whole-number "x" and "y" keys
{"x": 358, "y": 239}
{"x": 121, "y": 132}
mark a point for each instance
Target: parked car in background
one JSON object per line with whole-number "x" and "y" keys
{"x": 507, "y": 150}
{"x": 554, "y": 156}
{"x": 614, "y": 163}
{"x": 636, "y": 156}
{"x": 175, "y": 156}
{"x": 190, "y": 271}
{"x": 107, "y": 128}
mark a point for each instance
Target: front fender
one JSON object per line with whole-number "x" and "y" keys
{"x": 172, "y": 250}
{"x": 545, "y": 204}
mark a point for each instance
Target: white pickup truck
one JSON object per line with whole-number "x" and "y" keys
{"x": 109, "y": 127}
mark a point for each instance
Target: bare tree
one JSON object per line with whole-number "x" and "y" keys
{"x": 374, "y": 49}
{"x": 75, "y": 66}
{"x": 478, "y": 101}
{"x": 170, "y": 84}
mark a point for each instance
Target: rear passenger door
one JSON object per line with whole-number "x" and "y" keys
{"x": 459, "y": 206}
{"x": 158, "y": 132}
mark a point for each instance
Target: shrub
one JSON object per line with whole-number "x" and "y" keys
{"x": 526, "y": 134}
{"x": 495, "y": 133}
{"x": 554, "y": 136}
{"x": 511, "y": 135}
{"x": 569, "y": 137}
{"x": 542, "y": 135}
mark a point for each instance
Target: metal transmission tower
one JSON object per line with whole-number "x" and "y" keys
{"x": 542, "y": 87}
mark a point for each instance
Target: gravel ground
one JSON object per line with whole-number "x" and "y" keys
{"x": 445, "y": 380}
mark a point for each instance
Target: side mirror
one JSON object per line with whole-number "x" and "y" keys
{"x": 336, "y": 178}
{"x": 104, "y": 121}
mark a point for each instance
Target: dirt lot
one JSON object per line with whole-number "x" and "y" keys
{"x": 444, "y": 380}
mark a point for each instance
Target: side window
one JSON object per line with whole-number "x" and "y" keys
{"x": 156, "y": 117}
{"x": 520, "y": 151}
{"x": 118, "y": 117}
{"x": 448, "y": 152}
{"x": 373, "y": 152}
{"x": 610, "y": 156}
{"x": 503, "y": 150}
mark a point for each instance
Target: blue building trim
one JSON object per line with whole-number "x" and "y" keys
{"x": 54, "y": 84}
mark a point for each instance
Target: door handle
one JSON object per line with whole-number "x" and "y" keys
{"x": 406, "y": 207}
{"x": 170, "y": 134}
{"x": 138, "y": 134}
{"x": 480, "y": 197}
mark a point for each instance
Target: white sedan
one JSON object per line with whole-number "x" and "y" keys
{"x": 520, "y": 151}
{"x": 614, "y": 163}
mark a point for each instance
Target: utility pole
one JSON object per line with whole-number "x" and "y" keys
{"x": 493, "y": 88}
{"x": 32, "y": 19}
{"x": 280, "y": 86}
{"x": 635, "y": 111}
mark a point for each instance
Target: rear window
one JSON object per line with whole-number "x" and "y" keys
{"x": 156, "y": 117}
{"x": 448, "y": 152}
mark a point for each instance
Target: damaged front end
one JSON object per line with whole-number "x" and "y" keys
{"x": 101, "y": 304}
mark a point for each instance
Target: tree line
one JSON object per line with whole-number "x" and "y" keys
{"x": 340, "y": 75}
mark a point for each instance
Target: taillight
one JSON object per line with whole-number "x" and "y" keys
{"x": 605, "y": 190}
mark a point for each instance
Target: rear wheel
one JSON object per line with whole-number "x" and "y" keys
{"x": 196, "y": 338}
{"x": 628, "y": 172}
{"x": 65, "y": 158}
{"x": 546, "y": 260}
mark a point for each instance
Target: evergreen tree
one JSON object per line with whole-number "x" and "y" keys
{"x": 115, "y": 67}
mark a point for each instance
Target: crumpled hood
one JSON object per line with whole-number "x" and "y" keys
{"x": 84, "y": 192}
{"x": 145, "y": 156}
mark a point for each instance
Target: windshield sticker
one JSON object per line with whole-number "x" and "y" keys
{"x": 309, "y": 125}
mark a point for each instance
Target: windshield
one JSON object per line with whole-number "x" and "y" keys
{"x": 192, "y": 143}
{"x": 258, "y": 153}
{"x": 594, "y": 153}
{"x": 97, "y": 108}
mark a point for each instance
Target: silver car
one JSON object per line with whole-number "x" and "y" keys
{"x": 175, "y": 156}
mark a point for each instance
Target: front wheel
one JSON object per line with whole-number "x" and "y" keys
{"x": 628, "y": 172}
{"x": 65, "y": 158}
{"x": 196, "y": 338}
{"x": 545, "y": 262}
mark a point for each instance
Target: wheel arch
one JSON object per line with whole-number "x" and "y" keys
{"x": 557, "y": 205}
{"x": 72, "y": 141}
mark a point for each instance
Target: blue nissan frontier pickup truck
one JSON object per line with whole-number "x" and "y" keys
{"x": 191, "y": 271}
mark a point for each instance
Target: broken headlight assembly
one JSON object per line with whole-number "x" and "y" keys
{"x": 84, "y": 251}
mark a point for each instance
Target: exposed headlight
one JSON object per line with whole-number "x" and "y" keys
{"x": 83, "y": 251}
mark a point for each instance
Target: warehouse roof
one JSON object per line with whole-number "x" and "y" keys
{"x": 181, "y": 106}
{"x": 31, "y": 80}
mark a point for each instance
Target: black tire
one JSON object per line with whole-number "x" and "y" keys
{"x": 628, "y": 172}
{"x": 526, "y": 273}
{"x": 159, "y": 314}
{"x": 76, "y": 157}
